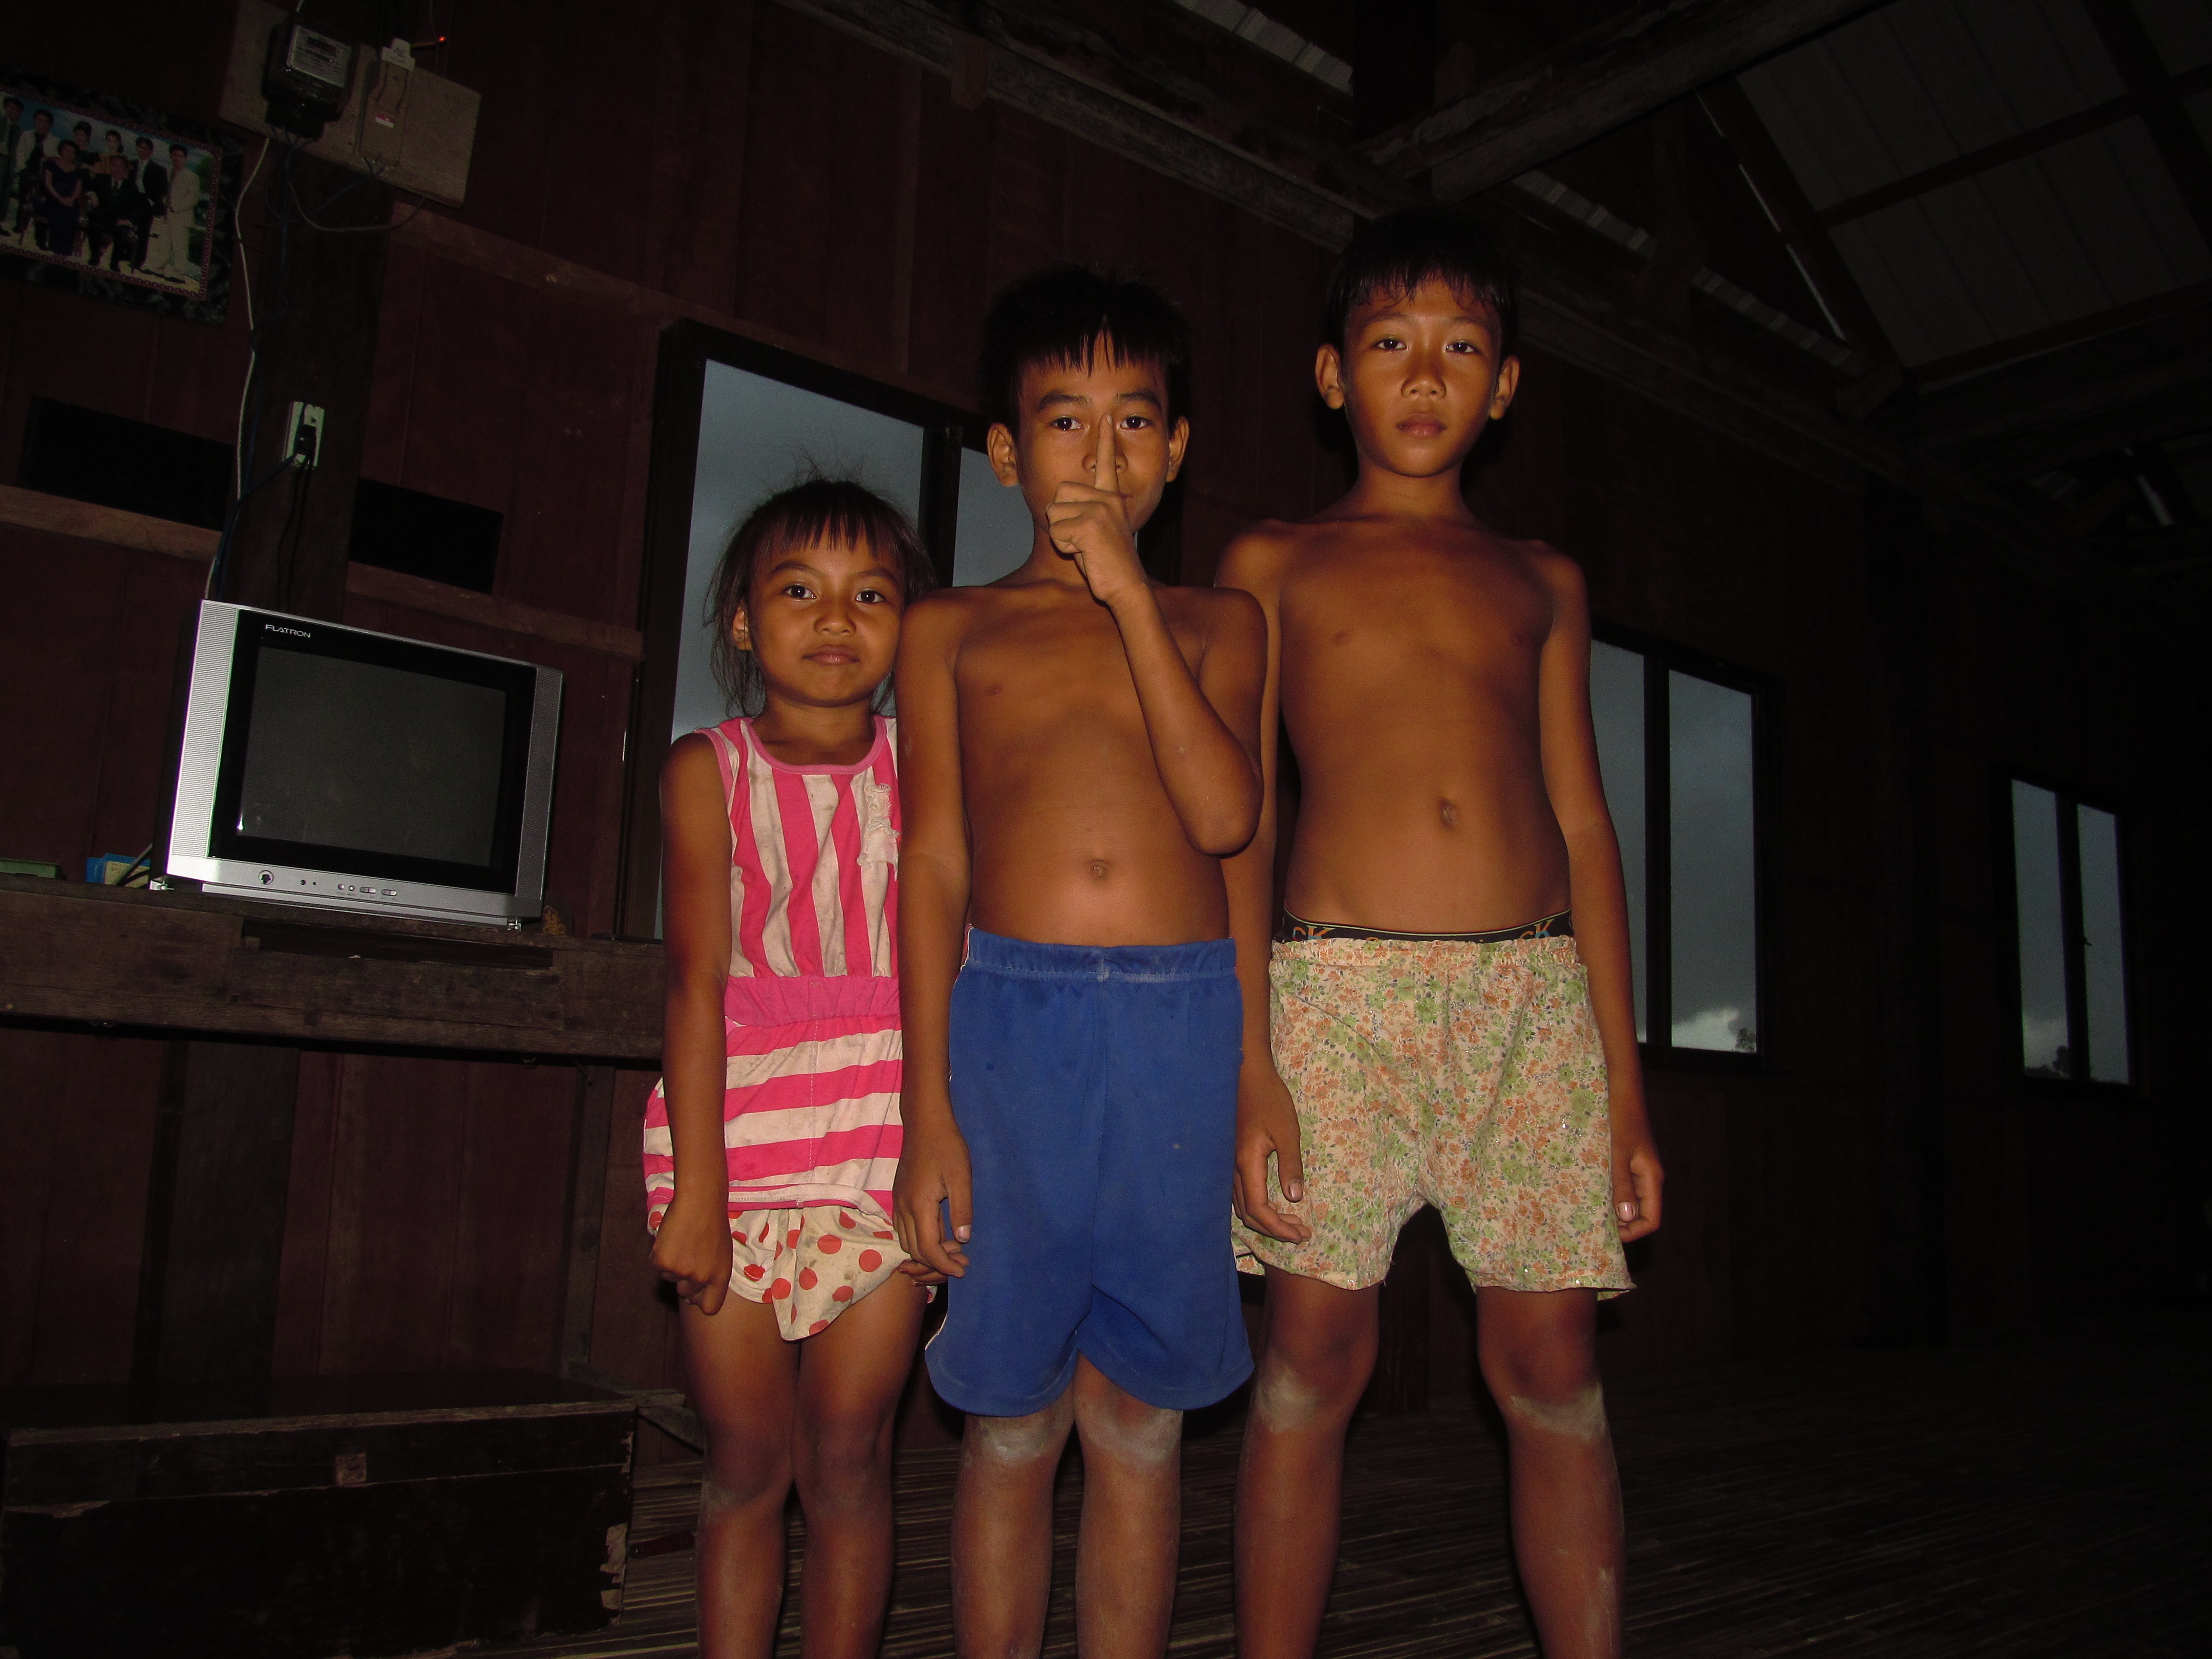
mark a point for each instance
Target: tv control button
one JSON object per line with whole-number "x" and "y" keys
{"x": 267, "y": 876}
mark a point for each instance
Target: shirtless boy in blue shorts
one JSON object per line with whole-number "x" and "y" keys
{"x": 1451, "y": 1017}
{"x": 1079, "y": 752}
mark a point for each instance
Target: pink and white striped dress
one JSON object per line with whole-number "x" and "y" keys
{"x": 810, "y": 1021}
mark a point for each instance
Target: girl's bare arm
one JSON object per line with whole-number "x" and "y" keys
{"x": 692, "y": 1249}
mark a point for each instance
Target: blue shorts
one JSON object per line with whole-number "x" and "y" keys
{"x": 1096, "y": 1088}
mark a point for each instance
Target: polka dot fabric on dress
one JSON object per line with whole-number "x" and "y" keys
{"x": 810, "y": 1264}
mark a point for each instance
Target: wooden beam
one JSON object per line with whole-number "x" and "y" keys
{"x": 2021, "y": 145}
{"x": 1075, "y": 78}
{"x": 2073, "y": 331}
{"x": 2157, "y": 356}
{"x": 1651, "y": 53}
{"x": 2180, "y": 146}
{"x": 2138, "y": 411}
{"x": 189, "y": 962}
{"x": 322, "y": 288}
{"x": 33, "y": 510}
{"x": 1818, "y": 257}
{"x": 233, "y": 1167}
{"x": 588, "y": 1191}
{"x": 368, "y": 581}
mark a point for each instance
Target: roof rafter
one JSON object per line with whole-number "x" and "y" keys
{"x": 2144, "y": 384}
{"x": 2073, "y": 331}
{"x": 1974, "y": 162}
{"x": 1651, "y": 53}
{"x": 1823, "y": 265}
{"x": 2142, "y": 72}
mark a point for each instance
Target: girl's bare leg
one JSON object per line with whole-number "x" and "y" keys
{"x": 743, "y": 1381}
{"x": 1538, "y": 1355}
{"x": 850, "y": 1378}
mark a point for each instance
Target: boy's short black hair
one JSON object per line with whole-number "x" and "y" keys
{"x": 1060, "y": 315}
{"x": 1398, "y": 252}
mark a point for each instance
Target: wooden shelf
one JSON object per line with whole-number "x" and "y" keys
{"x": 186, "y": 962}
{"x": 32, "y": 509}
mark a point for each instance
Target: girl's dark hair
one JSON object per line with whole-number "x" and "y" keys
{"x": 814, "y": 509}
{"x": 1064, "y": 314}
{"x": 1398, "y": 252}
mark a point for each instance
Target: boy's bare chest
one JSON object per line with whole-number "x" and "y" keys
{"x": 1050, "y": 671}
{"x": 1377, "y": 618}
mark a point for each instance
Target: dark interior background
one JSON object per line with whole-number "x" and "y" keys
{"x": 1885, "y": 1178}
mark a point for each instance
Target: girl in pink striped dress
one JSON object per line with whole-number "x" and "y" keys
{"x": 772, "y": 1140}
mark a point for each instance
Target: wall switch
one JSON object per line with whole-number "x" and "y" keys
{"x": 303, "y": 439}
{"x": 384, "y": 113}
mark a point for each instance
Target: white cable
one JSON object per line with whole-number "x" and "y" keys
{"x": 245, "y": 283}
{"x": 245, "y": 388}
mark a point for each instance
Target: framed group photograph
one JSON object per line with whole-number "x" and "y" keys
{"x": 113, "y": 200}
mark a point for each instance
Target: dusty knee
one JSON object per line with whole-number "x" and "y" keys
{"x": 1287, "y": 1397}
{"x": 1579, "y": 1415}
{"x": 1010, "y": 1442}
{"x": 1130, "y": 1432}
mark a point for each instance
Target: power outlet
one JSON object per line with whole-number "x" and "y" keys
{"x": 303, "y": 439}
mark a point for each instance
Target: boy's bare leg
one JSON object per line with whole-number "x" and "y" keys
{"x": 1125, "y": 1573}
{"x": 1314, "y": 1366}
{"x": 1002, "y": 1530}
{"x": 850, "y": 1378}
{"x": 744, "y": 1381}
{"x": 1538, "y": 1354}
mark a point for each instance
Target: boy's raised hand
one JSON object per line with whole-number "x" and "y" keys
{"x": 1090, "y": 524}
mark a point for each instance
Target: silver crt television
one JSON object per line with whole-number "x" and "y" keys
{"x": 329, "y": 766}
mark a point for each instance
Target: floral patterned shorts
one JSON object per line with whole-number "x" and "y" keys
{"x": 809, "y": 1264}
{"x": 1467, "y": 1076}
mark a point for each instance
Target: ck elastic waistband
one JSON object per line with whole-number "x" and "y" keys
{"x": 1295, "y": 928}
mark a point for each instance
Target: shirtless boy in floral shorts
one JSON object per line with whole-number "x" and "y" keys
{"x": 1451, "y": 1004}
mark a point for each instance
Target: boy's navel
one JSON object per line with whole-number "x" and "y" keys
{"x": 1099, "y": 868}
{"x": 1449, "y": 812}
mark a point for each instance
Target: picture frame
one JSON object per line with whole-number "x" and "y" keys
{"x": 146, "y": 221}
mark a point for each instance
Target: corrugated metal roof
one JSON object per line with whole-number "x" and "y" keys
{"x": 2182, "y": 31}
{"x": 2078, "y": 229}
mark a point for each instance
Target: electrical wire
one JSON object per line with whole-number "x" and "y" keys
{"x": 246, "y": 285}
{"x": 251, "y": 395}
{"x": 374, "y": 173}
{"x": 246, "y": 386}
{"x": 287, "y": 207}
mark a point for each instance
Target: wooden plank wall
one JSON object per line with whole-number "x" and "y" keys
{"x": 739, "y": 164}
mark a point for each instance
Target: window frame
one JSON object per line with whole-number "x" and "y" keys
{"x": 1660, "y": 657}
{"x": 2073, "y": 939}
{"x": 686, "y": 347}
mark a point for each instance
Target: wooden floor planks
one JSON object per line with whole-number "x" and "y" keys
{"x": 2049, "y": 1500}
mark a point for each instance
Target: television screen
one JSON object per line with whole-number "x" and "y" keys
{"x": 322, "y": 764}
{"x": 372, "y": 758}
